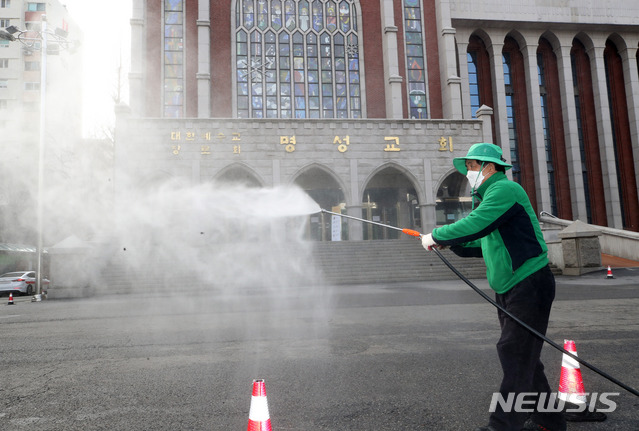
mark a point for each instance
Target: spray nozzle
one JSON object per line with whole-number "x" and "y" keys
{"x": 412, "y": 232}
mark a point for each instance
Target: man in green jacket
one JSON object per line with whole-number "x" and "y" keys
{"x": 504, "y": 230}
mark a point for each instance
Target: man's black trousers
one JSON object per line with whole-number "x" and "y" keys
{"x": 519, "y": 351}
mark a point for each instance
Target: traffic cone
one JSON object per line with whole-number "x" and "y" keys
{"x": 609, "y": 274}
{"x": 259, "y": 419}
{"x": 572, "y": 391}
{"x": 10, "y": 299}
{"x": 571, "y": 384}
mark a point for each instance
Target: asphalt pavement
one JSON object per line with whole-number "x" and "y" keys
{"x": 401, "y": 356}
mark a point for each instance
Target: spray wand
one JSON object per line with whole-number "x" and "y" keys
{"x": 536, "y": 333}
{"x": 410, "y": 232}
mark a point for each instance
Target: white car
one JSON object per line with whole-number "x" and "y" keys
{"x": 21, "y": 282}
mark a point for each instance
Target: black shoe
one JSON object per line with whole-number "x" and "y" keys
{"x": 530, "y": 425}
{"x": 486, "y": 428}
{"x": 582, "y": 416}
{"x": 585, "y": 416}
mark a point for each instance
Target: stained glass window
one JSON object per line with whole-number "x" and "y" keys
{"x": 173, "y": 74}
{"x": 415, "y": 59}
{"x": 297, "y": 59}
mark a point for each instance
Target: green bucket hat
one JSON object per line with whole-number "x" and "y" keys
{"x": 483, "y": 152}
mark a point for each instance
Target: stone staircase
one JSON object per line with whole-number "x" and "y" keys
{"x": 359, "y": 262}
{"x": 339, "y": 263}
{"x": 120, "y": 276}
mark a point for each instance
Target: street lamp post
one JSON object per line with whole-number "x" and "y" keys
{"x": 28, "y": 39}
{"x": 40, "y": 204}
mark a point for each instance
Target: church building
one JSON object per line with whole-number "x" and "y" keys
{"x": 364, "y": 103}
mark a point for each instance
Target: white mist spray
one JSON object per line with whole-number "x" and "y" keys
{"x": 220, "y": 235}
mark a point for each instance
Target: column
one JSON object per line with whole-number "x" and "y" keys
{"x": 355, "y": 232}
{"x": 629, "y": 58}
{"x": 571, "y": 128}
{"x": 538, "y": 142}
{"x": 428, "y": 206}
{"x": 138, "y": 49}
{"x": 604, "y": 128}
{"x": 403, "y": 210}
{"x": 451, "y": 91}
{"x": 462, "y": 52}
{"x": 499, "y": 89}
{"x": 277, "y": 229}
{"x": 394, "y": 105}
{"x": 485, "y": 114}
{"x": 203, "y": 60}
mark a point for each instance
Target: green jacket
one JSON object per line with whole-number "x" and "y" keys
{"x": 503, "y": 229}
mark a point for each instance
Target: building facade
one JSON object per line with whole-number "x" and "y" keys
{"x": 364, "y": 104}
{"x": 22, "y": 102}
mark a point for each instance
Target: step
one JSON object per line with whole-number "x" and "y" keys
{"x": 340, "y": 263}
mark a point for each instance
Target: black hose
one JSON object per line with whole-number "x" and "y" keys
{"x": 533, "y": 331}
{"x": 509, "y": 314}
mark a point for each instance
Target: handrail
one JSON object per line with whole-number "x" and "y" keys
{"x": 545, "y": 213}
{"x": 616, "y": 242}
{"x": 549, "y": 218}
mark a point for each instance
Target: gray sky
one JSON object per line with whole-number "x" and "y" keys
{"x": 106, "y": 45}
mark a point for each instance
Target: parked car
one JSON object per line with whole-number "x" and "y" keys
{"x": 23, "y": 282}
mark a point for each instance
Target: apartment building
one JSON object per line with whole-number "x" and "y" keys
{"x": 22, "y": 60}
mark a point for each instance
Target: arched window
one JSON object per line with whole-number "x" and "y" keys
{"x": 588, "y": 135}
{"x": 479, "y": 77}
{"x": 552, "y": 123}
{"x": 297, "y": 59}
{"x": 518, "y": 127}
{"x": 415, "y": 59}
{"x": 621, "y": 136}
{"x": 473, "y": 82}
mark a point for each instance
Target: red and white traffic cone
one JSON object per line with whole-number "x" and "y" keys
{"x": 609, "y": 274}
{"x": 10, "y": 299}
{"x": 259, "y": 419}
{"x": 571, "y": 384}
{"x": 572, "y": 391}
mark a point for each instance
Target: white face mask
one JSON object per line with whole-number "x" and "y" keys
{"x": 475, "y": 178}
